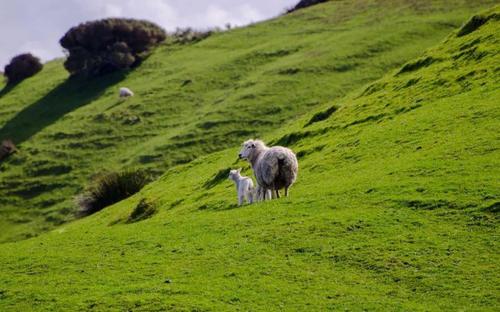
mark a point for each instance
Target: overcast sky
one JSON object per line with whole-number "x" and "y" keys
{"x": 37, "y": 25}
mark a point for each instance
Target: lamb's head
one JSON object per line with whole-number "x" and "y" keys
{"x": 234, "y": 174}
{"x": 250, "y": 148}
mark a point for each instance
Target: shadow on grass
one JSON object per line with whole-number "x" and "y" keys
{"x": 226, "y": 206}
{"x": 6, "y": 89}
{"x": 65, "y": 98}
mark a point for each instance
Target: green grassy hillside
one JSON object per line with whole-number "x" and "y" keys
{"x": 396, "y": 208}
{"x": 196, "y": 99}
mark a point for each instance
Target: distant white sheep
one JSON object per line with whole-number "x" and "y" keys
{"x": 126, "y": 92}
{"x": 244, "y": 186}
{"x": 274, "y": 167}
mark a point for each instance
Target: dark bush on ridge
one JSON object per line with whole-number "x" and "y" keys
{"x": 304, "y": 4}
{"x": 110, "y": 188}
{"x": 108, "y": 45}
{"x": 21, "y": 67}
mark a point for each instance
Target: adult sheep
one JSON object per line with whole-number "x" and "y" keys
{"x": 274, "y": 167}
{"x": 126, "y": 92}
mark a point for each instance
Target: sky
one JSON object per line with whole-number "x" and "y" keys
{"x": 37, "y": 25}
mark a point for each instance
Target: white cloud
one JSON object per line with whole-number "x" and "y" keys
{"x": 112, "y": 10}
{"x": 216, "y": 16}
{"x": 39, "y": 49}
{"x": 250, "y": 14}
{"x": 240, "y": 15}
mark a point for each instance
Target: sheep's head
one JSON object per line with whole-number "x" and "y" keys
{"x": 234, "y": 174}
{"x": 249, "y": 148}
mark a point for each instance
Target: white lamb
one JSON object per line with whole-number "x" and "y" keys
{"x": 244, "y": 186}
{"x": 126, "y": 92}
{"x": 274, "y": 167}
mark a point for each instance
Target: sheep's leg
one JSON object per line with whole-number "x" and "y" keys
{"x": 273, "y": 193}
{"x": 264, "y": 193}
{"x": 247, "y": 198}
{"x": 286, "y": 191}
{"x": 277, "y": 193}
{"x": 240, "y": 200}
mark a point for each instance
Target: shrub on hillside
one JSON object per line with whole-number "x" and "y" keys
{"x": 21, "y": 67}
{"x": 107, "y": 45}
{"x": 304, "y": 4}
{"x": 190, "y": 35}
{"x": 110, "y": 188}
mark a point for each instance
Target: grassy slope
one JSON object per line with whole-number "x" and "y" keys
{"x": 396, "y": 208}
{"x": 193, "y": 100}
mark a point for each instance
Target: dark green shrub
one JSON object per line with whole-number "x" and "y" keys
{"x": 107, "y": 45}
{"x": 109, "y": 188}
{"x": 21, "y": 67}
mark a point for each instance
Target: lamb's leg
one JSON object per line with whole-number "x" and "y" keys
{"x": 277, "y": 193}
{"x": 286, "y": 191}
{"x": 240, "y": 200}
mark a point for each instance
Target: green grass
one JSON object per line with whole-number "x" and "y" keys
{"x": 196, "y": 99}
{"x": 395, "y": 209}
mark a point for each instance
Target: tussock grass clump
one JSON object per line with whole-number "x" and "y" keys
{"x": 417, "y": 64}
{"x": 21, "y": 67}
{"x": 292, "y": 138}
{"x": 110, "y": 188}
{"x": 217, "y": 178}
{"x": 493, "y": 208}
{"x": 322, "y": 115}
{"x": 475, "y": 23}
{"x": 145, "y": 209}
